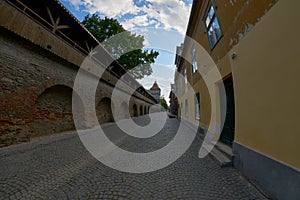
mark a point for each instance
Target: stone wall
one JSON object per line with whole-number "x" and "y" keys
{"x": 104, "y": 111}
{"x": 36, "y": 92}
{"x": 26, "y": 72}
{"x": 52, "y": 112}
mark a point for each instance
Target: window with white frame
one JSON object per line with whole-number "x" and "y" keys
{"x": 194, "y": 60}
{"x": 186, "y": 108}
{"x": 184, "y": 75}
{"x": 185, "y": 79}
{"x": 197, "y": 105}
{"x": 212, "y": 25}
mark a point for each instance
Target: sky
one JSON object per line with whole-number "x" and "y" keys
{"x": 163, "y": 23}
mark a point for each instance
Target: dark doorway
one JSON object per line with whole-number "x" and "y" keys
{"x": 227, "y": 135}
{"x": 135, "y": 111}
{"x": 104, "y": 111}
{"x": 141, "y": 110}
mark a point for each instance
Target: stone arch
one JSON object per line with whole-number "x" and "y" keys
{"x": 145, "y": 110}
{"x": 141, "y": 110}
{"x": 52, "y": 111}
{"x": 104, "y": 111}
{"x": 135, "y": 110}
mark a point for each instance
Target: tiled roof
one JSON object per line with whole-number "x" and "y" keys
{"x": 155, "y": 86}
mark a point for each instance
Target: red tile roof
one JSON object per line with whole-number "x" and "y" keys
{"x": 155, "y": 86}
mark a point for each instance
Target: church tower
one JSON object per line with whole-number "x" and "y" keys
{"x": 155, "y": 91}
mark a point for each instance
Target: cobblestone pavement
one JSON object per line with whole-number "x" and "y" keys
{"x": 59, "y": 167}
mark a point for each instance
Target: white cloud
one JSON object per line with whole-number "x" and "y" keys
{"x": 75, "y": 3}
{"x": 146, "y": 42}
{"x": 139, "y": 20}
{"x": 111, "y": 8}
{"x": 166, "y": 14}
{"x": 172, "y": 14}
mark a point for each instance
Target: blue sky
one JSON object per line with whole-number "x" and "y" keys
{"x": 162, "y": 22}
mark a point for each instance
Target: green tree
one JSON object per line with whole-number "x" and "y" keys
{"x": 163, "y": 103}
{"x": 125, "y": 46}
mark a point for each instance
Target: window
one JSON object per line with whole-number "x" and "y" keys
{"x": 184, "y": 75}
{"x": 197, "y": 105}
{"x": 194, "y": 60}
{"x": 213, "y": 28}
{"x": 185, "y": 79}
{"x": 186, "y": 108}
{"x": 180, "y": 86}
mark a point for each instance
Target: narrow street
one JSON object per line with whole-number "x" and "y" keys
{"x": 104, "y": 99}
{"x": 59, "y": 167}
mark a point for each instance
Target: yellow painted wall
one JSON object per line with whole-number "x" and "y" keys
{"x": 265, "y": 74}
{"x": 267, "y": 85}
{"x": 265, "y": 81}
{"x": 234, "y": 19}
{"x": 205, "y": 104}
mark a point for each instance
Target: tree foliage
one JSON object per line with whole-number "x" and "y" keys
{"x": 163, "y": 103}
{"x": 125, "y": 46}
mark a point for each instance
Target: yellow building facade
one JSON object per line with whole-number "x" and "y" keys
{"x": 255, "y": 47}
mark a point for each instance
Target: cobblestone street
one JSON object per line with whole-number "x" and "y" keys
{"x": 59, "y": 167}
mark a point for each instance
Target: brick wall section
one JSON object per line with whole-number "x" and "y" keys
{"x": 52, "y": 112}
{"x": 26, "y": 72}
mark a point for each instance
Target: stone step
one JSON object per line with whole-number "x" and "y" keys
{"x": 222, "y": 158}
{"x": 224, "y": 149}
